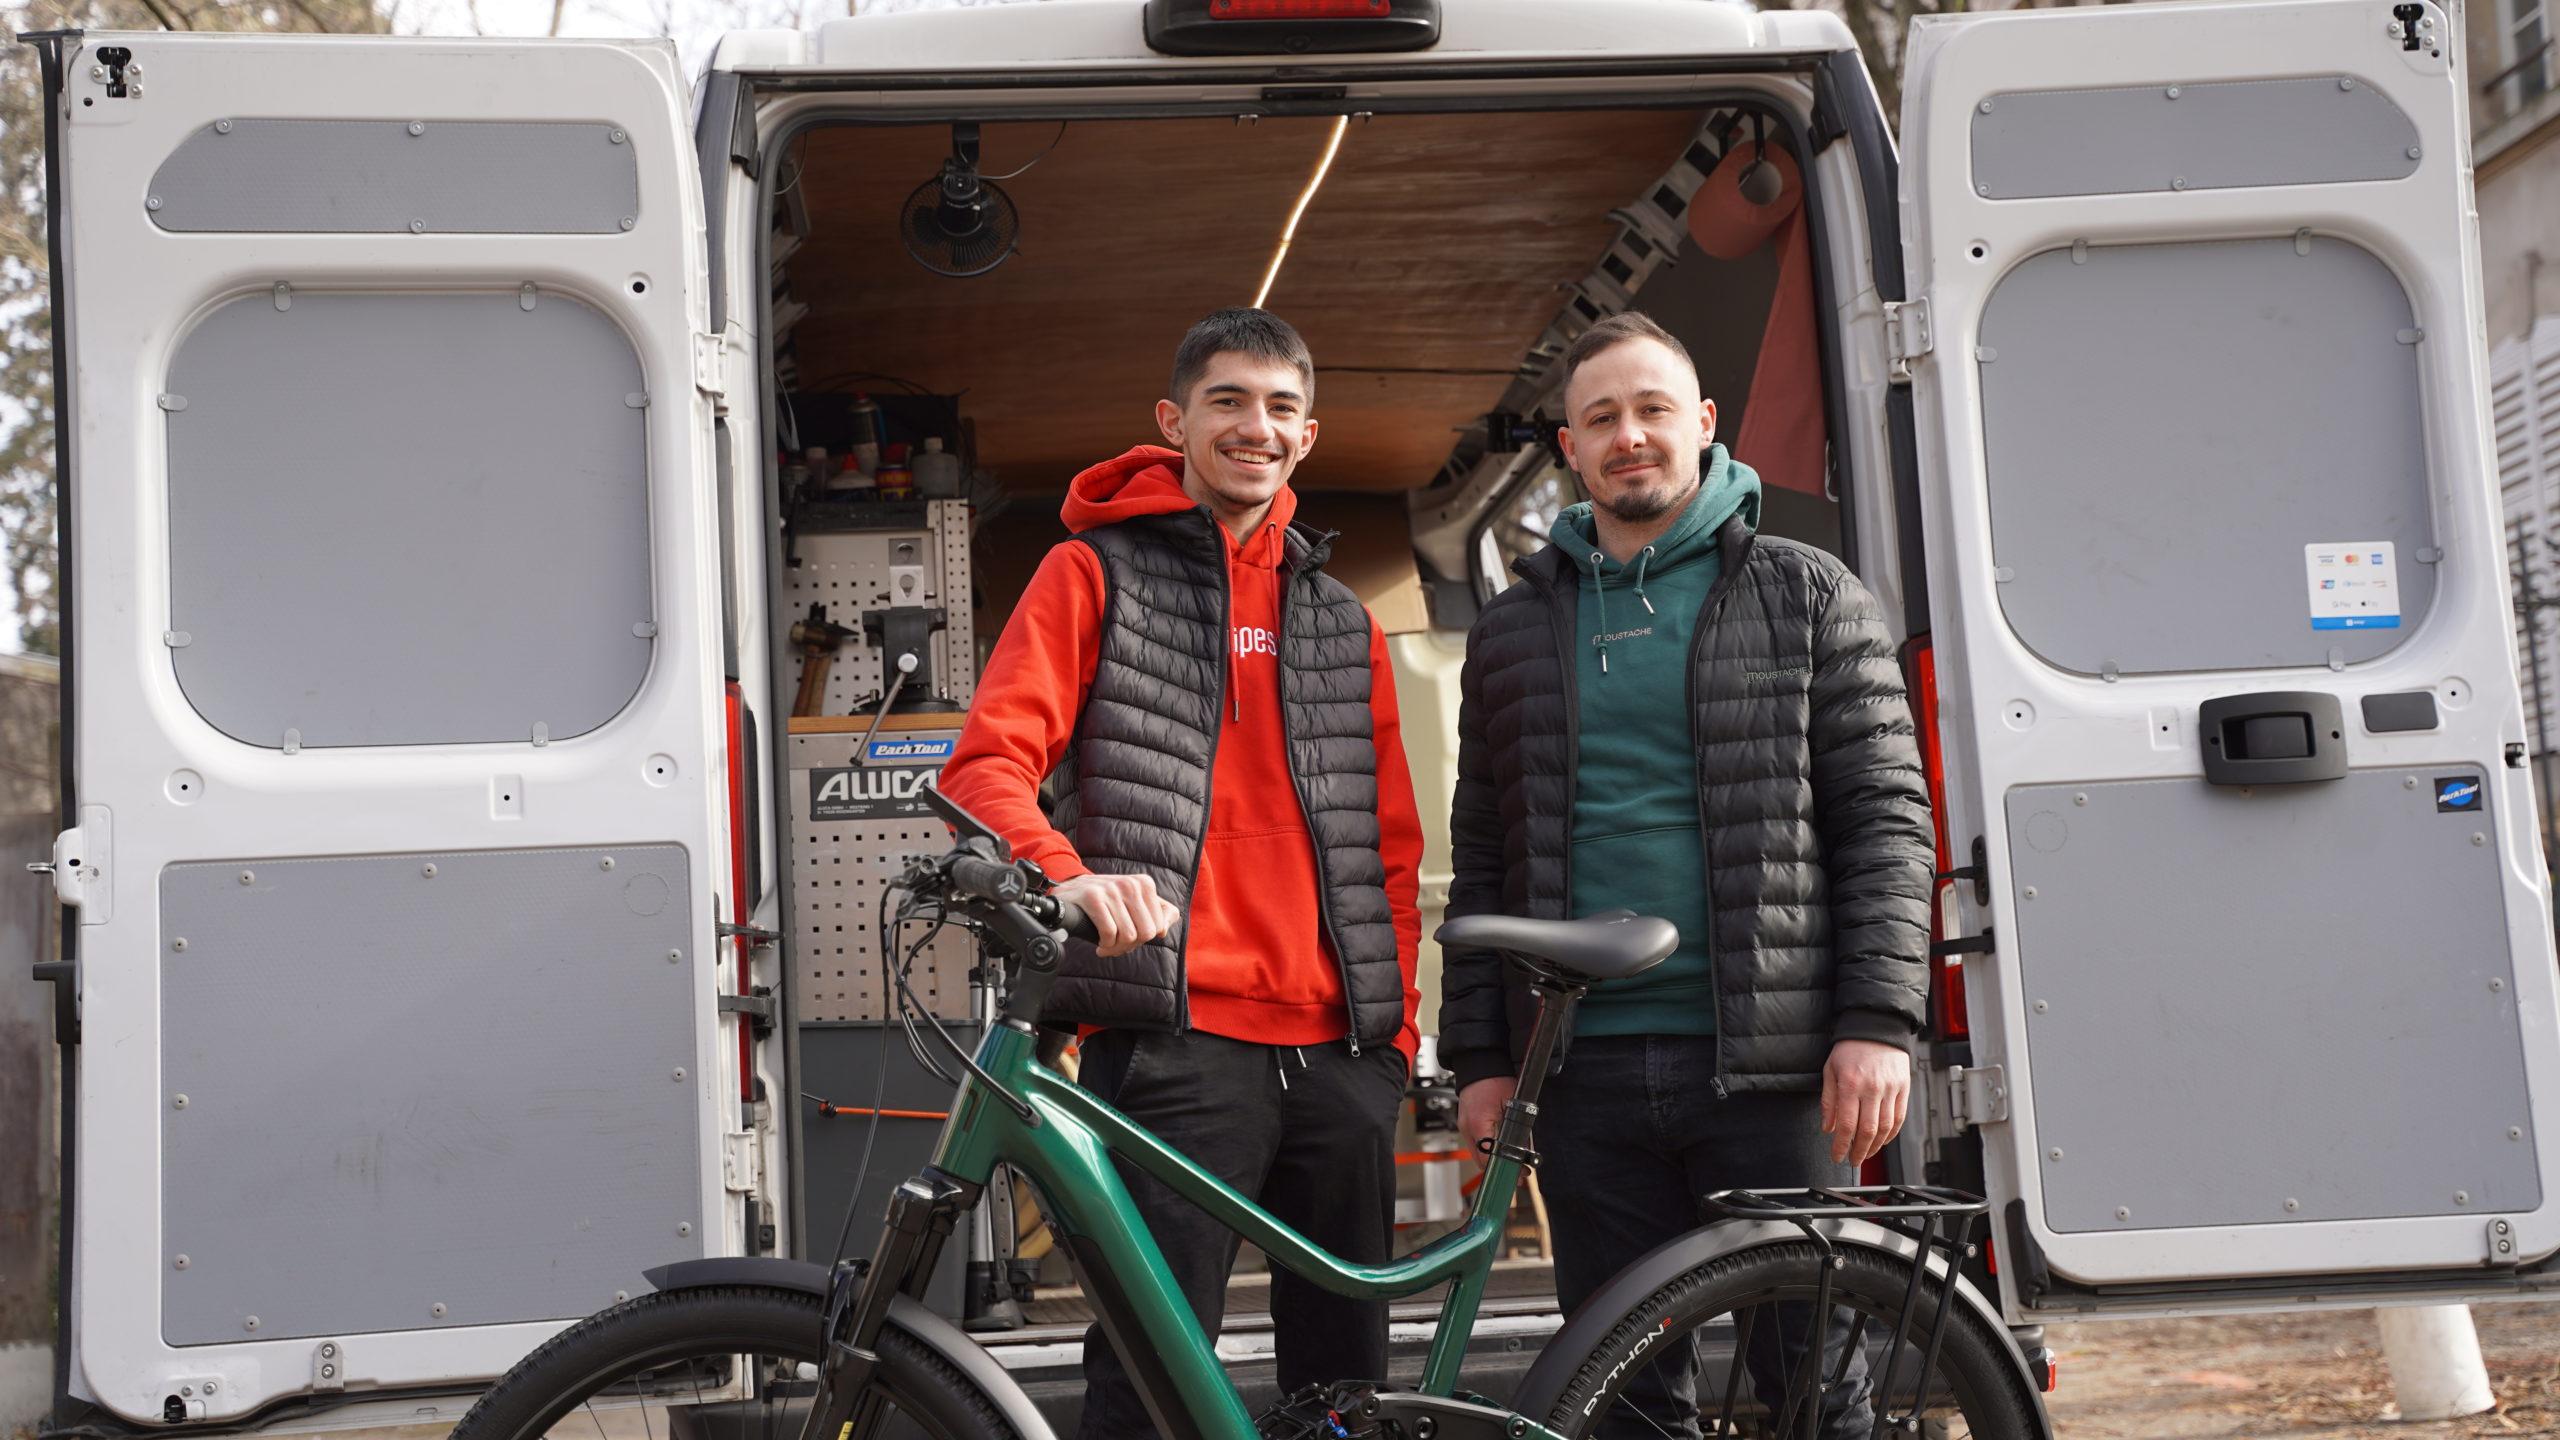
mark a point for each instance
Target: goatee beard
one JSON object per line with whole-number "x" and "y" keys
{"x": 1636, "y": 506}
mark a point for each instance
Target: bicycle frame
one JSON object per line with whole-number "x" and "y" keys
{"x": 1067, "y": 1149}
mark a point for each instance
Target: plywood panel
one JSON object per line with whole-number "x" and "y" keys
{"x": 1427, "y": 264}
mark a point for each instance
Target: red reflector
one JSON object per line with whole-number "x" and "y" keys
{"x": 1298, "y": 9}
{"x": 1920, "y": 672}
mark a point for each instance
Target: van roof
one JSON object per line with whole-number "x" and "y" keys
{"x": 1081, "y": 34}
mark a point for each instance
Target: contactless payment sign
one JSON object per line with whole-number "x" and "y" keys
{"x": 2354, "y": 586}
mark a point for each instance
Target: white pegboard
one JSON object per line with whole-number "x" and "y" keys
{"x": 840, "y": 868}
{"x": 849, "y": 571}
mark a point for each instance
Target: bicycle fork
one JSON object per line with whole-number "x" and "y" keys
{"x": 923, "y": 1212}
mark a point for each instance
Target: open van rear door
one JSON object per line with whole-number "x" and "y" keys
{"x": 395, "y": 683}
{"x": 2221, "y": 623}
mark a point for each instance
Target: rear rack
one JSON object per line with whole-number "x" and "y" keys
{"x": 1931, "y": 1216}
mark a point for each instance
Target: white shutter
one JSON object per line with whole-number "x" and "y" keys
{"x": 2524, "y": 394}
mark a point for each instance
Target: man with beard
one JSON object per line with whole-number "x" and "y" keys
{"x": 1682, "y": 718}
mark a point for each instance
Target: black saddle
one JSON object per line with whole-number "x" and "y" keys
{"x": 1611, "y": 946}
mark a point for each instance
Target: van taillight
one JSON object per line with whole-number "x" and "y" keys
{"x": 1291, "y": 27}
{"x": 1946, "y": 986}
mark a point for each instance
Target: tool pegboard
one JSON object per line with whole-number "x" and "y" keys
{"x": 858, "y": 557}
{"x": 852, "y": 829}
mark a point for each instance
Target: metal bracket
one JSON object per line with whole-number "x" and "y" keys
{"x": 754, "y": 1007}
{"x": 1982, "y": 944}
{"x": 753, "y": 935}
{"x": 738, "y": 1163}
{"x": 2502, "y": 1242}
{"x": 1977, "y": 1096}
{"x": 328, "y": 1366}
{"x": 711, "y": 365}
{"x": 1907, "y": 336}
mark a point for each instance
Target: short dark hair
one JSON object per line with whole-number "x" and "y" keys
{"x": 1257, "y": 333}
{"x": 1617, "y": 330}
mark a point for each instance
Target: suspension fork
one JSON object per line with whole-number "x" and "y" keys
{"x": 923, "y": 1212}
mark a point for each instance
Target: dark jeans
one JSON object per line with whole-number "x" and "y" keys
{"x": 1635, "y": 1138}
{"x": 1306, "y": 1132}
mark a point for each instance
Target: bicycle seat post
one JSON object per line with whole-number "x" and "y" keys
{"x": 1556, "y": 997}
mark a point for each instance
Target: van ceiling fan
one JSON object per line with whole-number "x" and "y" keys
{"x": 958, "y": 223}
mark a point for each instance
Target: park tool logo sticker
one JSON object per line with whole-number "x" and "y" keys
{"x": 936, "y": 750}
{"x": 2460, "y": 793}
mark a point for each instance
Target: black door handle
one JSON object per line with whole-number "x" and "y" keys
{"x": 2275, "y": 737}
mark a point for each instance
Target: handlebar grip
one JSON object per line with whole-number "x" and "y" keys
{"x": 1073, "y": 920}
{"x": 988, "y": 880}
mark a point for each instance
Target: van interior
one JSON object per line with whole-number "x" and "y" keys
{"x": 1438, "y": 266}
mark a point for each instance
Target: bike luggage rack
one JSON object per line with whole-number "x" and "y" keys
{"x": 1934, "y": 1217}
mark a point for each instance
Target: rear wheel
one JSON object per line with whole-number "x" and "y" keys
{"x": 720, "y": 1363}
{"x": 1736, "y": 1328}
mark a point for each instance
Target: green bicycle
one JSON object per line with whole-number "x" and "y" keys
{"x": 1802, "y": 1315}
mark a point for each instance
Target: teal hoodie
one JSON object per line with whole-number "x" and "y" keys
{"x": 1636, "y": 841}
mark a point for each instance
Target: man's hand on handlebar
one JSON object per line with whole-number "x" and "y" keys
{"x": 1125, "y": 910}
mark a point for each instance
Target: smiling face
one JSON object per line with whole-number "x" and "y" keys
{"x": 1634, "y": 424}
{"x": 1242, "y": 431}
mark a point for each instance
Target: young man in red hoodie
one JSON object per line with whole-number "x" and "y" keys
{"x": 1215, "y": 721}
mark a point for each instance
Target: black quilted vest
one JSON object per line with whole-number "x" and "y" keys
{"x": 1133, "y": 790}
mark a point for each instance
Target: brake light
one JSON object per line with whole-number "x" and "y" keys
{"x": 1946, "y": 987}
{"x": 1291, "y": 27}
{"x": 1297, "y": 9}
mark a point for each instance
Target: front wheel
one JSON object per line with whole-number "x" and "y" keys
{"x": 1723, "y": 1349}
{"x": 730, "y": 1362}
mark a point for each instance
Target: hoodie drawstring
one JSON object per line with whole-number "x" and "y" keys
{"x": 1600, "y": 597}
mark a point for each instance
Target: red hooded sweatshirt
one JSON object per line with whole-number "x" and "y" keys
{"x": 1259, "y": 963}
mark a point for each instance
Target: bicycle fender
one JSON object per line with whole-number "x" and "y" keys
{"x": 947, "y": 1341}
{"x": 1538, "y": 1390}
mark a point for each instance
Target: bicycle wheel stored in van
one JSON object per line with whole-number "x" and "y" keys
{"x": 721, "y": 1363}
{"x": 1722, "y": 1349}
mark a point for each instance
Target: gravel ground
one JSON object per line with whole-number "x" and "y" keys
{"x": 2314, "y": 1375}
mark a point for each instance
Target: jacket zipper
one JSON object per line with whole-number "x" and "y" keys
{"x": 1698, "y": 782}
{"x": 1226, "y": 680}
{"x": 1306, "y": 812}
{"x": 1566, "y": 653}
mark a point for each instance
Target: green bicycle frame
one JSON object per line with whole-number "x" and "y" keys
{"x": 1067, "y": 1148}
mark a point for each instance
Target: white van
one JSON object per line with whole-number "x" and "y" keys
{"x": 429, "y": 650}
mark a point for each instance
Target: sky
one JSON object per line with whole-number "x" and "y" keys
{"x": 695, "y": 24}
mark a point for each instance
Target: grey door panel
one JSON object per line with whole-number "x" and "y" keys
{"x": 416, "y": 1099}
{"x": 2167, "y": 427}
{"x": 407, "y": 519}
{"x": 2317, "y": 129}
{"x": 384, "y": 176}
{"x": 2266, "y": 1004}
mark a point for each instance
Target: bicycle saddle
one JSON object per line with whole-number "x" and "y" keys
{"x": 1601, "y": 947}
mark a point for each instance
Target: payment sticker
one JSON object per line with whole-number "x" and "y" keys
{"x": 2354, "y": 586}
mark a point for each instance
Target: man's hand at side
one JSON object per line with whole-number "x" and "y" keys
{"x": 1866, "y": 1090}
{"x": 1125, "y": 910}
{"x": 1480, "y": 1109}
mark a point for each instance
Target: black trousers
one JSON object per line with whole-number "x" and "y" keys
{"x": 1308, "y": 1133}
{"x": 1635, "y": 1139}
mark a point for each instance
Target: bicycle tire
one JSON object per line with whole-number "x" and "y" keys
{"x": 624, "y": 1355}
{"x": 1990, "y": 1400}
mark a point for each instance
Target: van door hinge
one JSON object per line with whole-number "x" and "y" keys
{"x": 711, "y": 365}
{"x": 1976, "y": 1096}
{"x": 1907, "y": 336}
{"x": 738, "y": 1163}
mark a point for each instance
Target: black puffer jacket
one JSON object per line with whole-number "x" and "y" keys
{"x": 1814, "y": 807}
